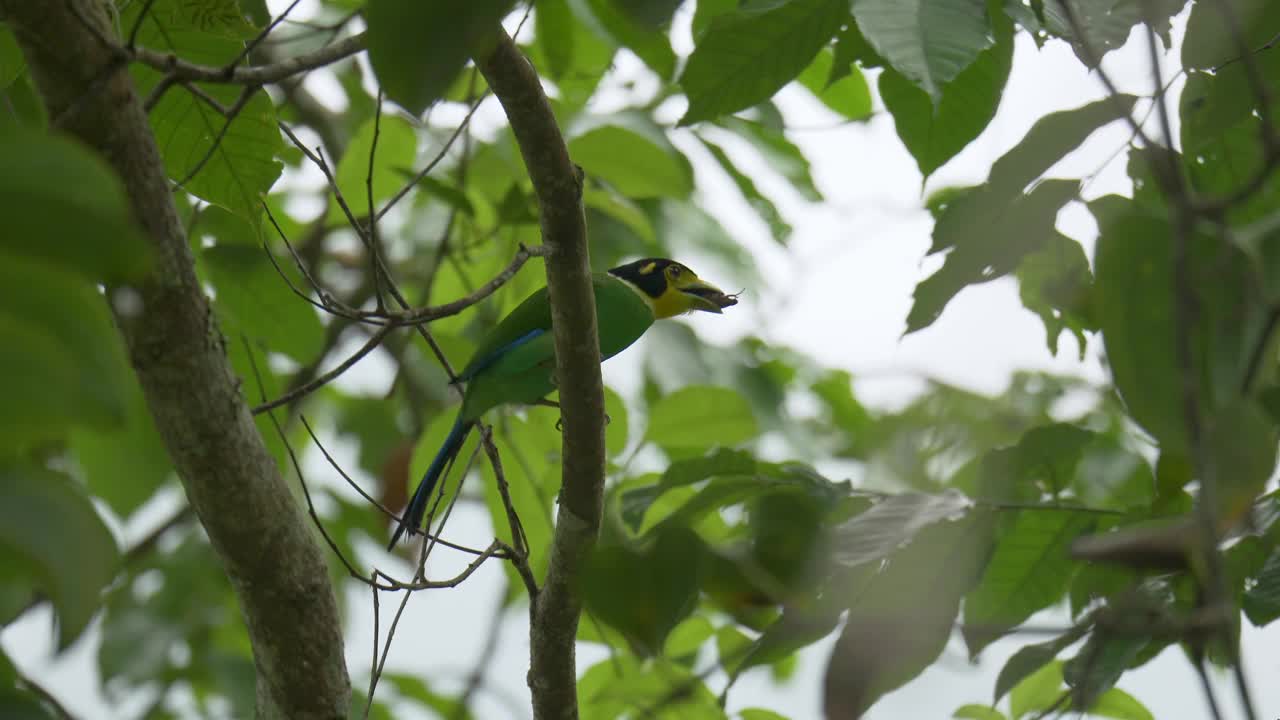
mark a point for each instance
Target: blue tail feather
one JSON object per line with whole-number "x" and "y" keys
{"x": 416, "y": 511}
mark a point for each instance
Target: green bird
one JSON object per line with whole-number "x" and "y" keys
{"x": 515, "y": 363}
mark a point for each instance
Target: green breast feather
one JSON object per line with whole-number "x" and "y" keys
{"x": 516, "y": 362}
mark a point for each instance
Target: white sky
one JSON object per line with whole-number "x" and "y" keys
{"x": 852, "y": 265}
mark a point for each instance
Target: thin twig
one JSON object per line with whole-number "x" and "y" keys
{"x": 321, "y": 380}
{"x": 251, "y": 75}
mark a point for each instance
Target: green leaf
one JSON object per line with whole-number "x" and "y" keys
{"x": 1210, "y": 43}
{"x": 253, "y": 299}
{"x": 934, "y": 130}
{"x": 989, "y": 249}
{"x": 891, "y": 523}
{"x": 1037, "y": 692}
{"x": 71, "y": 370}
{"x": 12, "y": 63}
{"x": 929, "y": 41}
{"x": 1050, "y": 139}
{"x": 748, "y": 55}
{"x": 1241, "y": 443}
{"x": 795, "y": 630}
{"x": 618, "y": 685}
{"x": 1031, "y": 569}
{"x": 781, "y": 155}
{"x": 762, "y": 205}
{"x": 416, "y": 48}
{"x": 392, "y": 166}
{"x": 632, "y": 153}
{"x": 553, "y": 24}
{"x": 688, "y": 637}
{"x": 228, "y": 163}
{"x": 760, "y": 714}
{"x": 49, "y": 528}
{"x": 1030, "y": 659}
{"x": 1120, "y": 705}
{"x": 844, "y": 92}
{"x": 1136, "y": 312}
{"x": 1261, "y": 602}
{"x": 1055, "y": 283}
{"x": 977, "y": 712}
{"x": 124, "y": 466}
{"x": 86, "y": 226}
{"x": 900, "y": 623}
{"x": 700, "y": 417}
{"x": 644, "y": 592}
{"x": 1103, "y": 659}
{"x": 651, "y": 46}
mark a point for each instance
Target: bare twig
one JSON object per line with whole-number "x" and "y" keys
{"x": 321, "y": 380}
{"x": 252, "y": 75}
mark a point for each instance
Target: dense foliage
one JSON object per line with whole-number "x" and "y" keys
{"x": 1147, "y": 514}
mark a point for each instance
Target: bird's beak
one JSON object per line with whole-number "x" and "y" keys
{"x": 705, "y": 296}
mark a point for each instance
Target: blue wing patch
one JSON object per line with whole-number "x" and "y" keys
{"x": 479, "y": 364}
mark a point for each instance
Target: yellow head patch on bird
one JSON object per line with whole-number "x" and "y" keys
{"x": 671, "y": 288}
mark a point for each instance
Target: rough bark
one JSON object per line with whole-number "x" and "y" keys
{"x": 552, "y": 671}
{"x": 177, "y": 351}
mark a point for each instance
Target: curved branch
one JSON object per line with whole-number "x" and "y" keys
{"x": 558, "y": 185}
{"x": 250, "y": 74}
{"x": 253, "y": 521}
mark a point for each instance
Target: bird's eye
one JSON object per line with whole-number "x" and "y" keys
{"x": 675, "y": 271}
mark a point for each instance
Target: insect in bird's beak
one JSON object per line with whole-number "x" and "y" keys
{"x": 708, "y": 297}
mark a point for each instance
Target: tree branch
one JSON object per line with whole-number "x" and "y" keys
{"x": 232, "y": 482}
{"x": 558, "y": 185}
{"x": 251, "y": 74}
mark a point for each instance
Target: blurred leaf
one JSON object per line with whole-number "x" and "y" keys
{"x": 700, "y": 417}
{"x": 1210, "y": 42}
{"x": 760, "y": 714}
{"x": 848, "y": 95}
{"x": 530, "y": 450}
{"x": 1031, "y": 659}
{"x": 621, "y": 28}
{"x": 12, "y": 64}
{"x": 617, "y": 686}
{"x": 1118, "y": 704}
{"x": 779, "y": 229}
{"x": 748, "y": 55}
{"x": 86, "y": 227}
{"x": 1261, "y": 601}
{"x": 1030, "y": 569}
{"x": 929, "y": 41}
{"x": 632, "y": 153}
{"x": 616, "y": 431}
{"x": 644, "y": 592}
{"x": 49, "y": 529}
{"x": 981, "y": 253}
{"x": 901, "y": 623}
{"x": 652, "y": 14}
{"x": 1050, "y": 139}
{"x": 415, "y": 688}
{"x": 890, "y": 524}
{"x": 392, "y": 166}
{"x": 1241, "y": 441}
{"x": 688, "y": 637}
{"x": 782, "y": 156}
{"x": 1055, "y": 283}
{"x": 554, "y": 33}
{"x": 125, "y": 466}
{"x": 796, "y": 629}
{"x": 71, "y": 370}
{"x": 253, "y": 299}
{"x": 977, "y": 712}
{"x": 1135, "y": 303}
{"x": 1097, "y": 666}
{"x": 416, "y": 49}
{"x": 1037, "y": 692}
{"x": 935, "y": 129}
